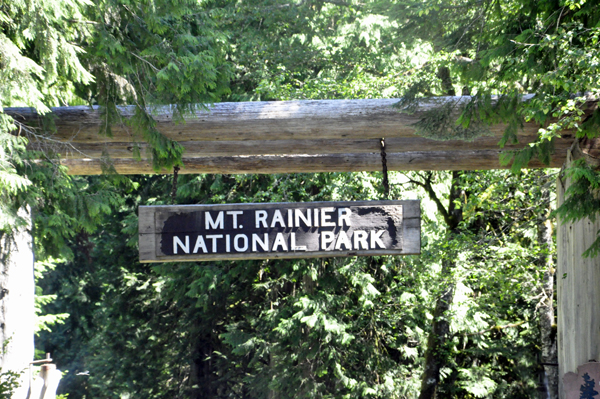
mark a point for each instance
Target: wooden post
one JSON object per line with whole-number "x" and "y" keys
{"x": 578, "y": 283}
{"x": 46, "y": 383}
{"x": 17, "y": 302}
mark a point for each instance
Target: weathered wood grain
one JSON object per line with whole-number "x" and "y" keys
{"x": 279, "y": 137}
{"x": 293, "y": 147}
{"x": 578, "y": 286}
{"x": 146, "y": 223}
{"x": 417, "y": 160}
{"x": 276, "y": 120}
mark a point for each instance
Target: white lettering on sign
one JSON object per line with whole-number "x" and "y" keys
{"x": 282, "y": 231}
{"x": 264, "y": 243}
{"x": 295, "y": 218}
{"x": 236, "y": 243}
{"x": 376, "y": 239}
{"x": 295, "y": 247}
{"x": 177, "y": 242}
{"x": 343, "y": 240}
{"x": 327, "y": 238}
{"x": 199, "y": 245}
{"x": 329, "y": 241}
{"x": 211, "y": 223}
{"x": 279, "y": 242}
{"x": 214, "y": 238}
{"x": 305, "y": 218}
{"x": 261, "y": 219}
{"x": 360, "y": 239}
{"x": 235, "y": 214}
{"x": 326, "y": 217}
{"x": 343, "y": 216}
{"x": 277, "y": 218}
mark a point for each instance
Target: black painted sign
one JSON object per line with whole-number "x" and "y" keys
{"x": 282, "y": 230}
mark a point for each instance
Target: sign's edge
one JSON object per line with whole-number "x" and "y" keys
{"x": 275, "y": 204}
{"x": 279, "y": 256}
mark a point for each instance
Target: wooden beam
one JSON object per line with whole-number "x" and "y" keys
{"x": 291, "y": 147}
{"x": 270, "y": 120}
{"x": 278, "y": 137}
{"x": 416, "y": 160}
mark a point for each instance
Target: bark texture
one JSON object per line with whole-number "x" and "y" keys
{"x": 549, "y": 353}
{"x": 416, "y": 160}
{"x": 17, "y": 302}
{"x": 434, "y": 358}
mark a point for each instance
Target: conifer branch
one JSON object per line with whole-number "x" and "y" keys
{"x": 496, "y": 328}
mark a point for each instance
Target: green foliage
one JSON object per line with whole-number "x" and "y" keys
{"x": 44, "y": 322}
{"x": 354, "y": 327}
{"x": 9, "y": 382}
{"x": 153, "y": 53}
{"x": 349, "y": 328}
{"x": 549, "y": 52}
{"x": 39, "y": 58}
{"x": 582, "y": 199}
{"x": 39, "y": 66}
{"x": 106, "y": 53}
{"x": 522, "y": 61}
{"x": 311, "y": 50}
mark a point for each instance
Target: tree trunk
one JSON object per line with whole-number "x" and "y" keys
{"x": 546, "y": 310}
{"x": 446, "y": 78}
{"x": 435, "y": 358}
{"x": 17, "y": 290}
{"x": 201, "y": 377}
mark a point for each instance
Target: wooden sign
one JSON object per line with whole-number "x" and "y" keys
{"x": 278, "y": 230}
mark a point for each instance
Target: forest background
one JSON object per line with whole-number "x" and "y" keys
{"x": 472, "y": 316}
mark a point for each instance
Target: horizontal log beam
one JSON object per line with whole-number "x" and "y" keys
{"x": 407, "y": 161}
{"x": 278, "y": 137}
{"x": 260, "y": 120}
{"x": 291, "y": 147}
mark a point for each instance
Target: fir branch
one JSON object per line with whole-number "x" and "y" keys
{"x": 496, "y": 328}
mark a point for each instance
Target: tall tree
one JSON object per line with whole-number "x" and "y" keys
{"x": 356, "y": 326}
{"x": 452, "y": 215}
{"x": 549, "y": 352}
{"x": 101, "y": 53}
{"x": 30, "y": 31}
{"x": 522, "y": 61}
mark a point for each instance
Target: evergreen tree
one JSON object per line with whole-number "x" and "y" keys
{"x": 521, "y": 61}
{"x": 308, "y": 328}
{"x": 356, "y": 327}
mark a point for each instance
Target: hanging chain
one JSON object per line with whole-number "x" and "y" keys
{"x": 174, "y": 189}
{"x": 386, "y": 182}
